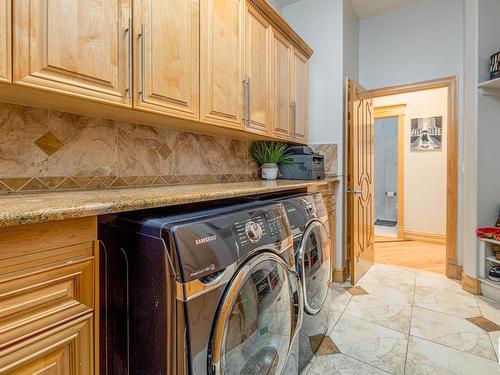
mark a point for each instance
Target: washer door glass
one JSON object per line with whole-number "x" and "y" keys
{"x": 256, "y": 320}
{"x": 316, "y": 268}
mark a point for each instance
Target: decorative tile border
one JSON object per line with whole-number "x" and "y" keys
{"x": 33, "y": 184}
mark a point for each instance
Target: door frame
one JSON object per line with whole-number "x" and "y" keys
{"x": 453, "y": 269}
{"x": 398, "y": 111}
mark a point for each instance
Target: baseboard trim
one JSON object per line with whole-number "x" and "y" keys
{"x": 453, "y": 270}
{"x": 425, "y": 237}
{"x": 340, "y": 274}
{"x": 471, "y": 284}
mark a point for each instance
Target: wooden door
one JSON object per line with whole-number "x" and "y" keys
{"x": 299, "y": 97}
{"x": 360, "y": 173}
{"x": 78, "y": 47}
{"x": 5, "y": 41}
{"x": 221, "y": 62}
{"x": 281, "y": 98}
{"x": 167, "y": 43}
{"x": 257, "y": 72}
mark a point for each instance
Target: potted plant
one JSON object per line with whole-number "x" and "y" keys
{"x": 269, "y": 155}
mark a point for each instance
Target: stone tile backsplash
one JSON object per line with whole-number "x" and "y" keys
{"x": 41, "y": 149}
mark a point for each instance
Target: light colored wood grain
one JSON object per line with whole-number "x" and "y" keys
{"x": 300, "y": 96}
{"x": 22, "y": 241}
{"x": 360, "y": 170}
{"x": 5, "y": 41}
{"x": 280, "y": 24}
{"x": 425, "y": 237}
{"x": 398, "y": 111}
{"x": 75, "y": 46}
{"x": 471, "y": 284}
{"x": 171, "y": 57}
{"x": 221, "y": 62}
{"x": 412, "y": 254}
{"x": 64, "y": 350}
{"x": 258, "y": 71}
{"x": 281, "y": 91}
{"x": 40, "y": 301}
{"x": 453, "y": 268}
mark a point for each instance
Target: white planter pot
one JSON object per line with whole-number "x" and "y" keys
{"x": 269, "y": 171}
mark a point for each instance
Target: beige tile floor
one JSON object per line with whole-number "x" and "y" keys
{"x": 403, "y": 321}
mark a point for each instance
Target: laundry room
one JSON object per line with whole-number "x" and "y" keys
{"x": 249, "y": 187}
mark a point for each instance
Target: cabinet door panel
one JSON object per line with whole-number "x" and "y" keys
{"x": 258, "y": 70}
{"x": 77, "y": 47}
{"x": 5, "y": 40}
{"x": 65, "y": 350}
{"x": 170, "y": 30}
{"x": 221, "y": 62}
{"x": 282, "y": 89}
{"x": 300, "y": 96}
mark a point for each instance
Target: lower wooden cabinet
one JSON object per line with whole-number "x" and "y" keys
{"x": 48, "y": 283}
{"x": 65, "y": 350}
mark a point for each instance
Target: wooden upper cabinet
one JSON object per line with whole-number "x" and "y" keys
{"x": 281, "y": 98}
{"x": 299, "y": 97}
{"x": 221, "y": 62}
{"x": 5, "y": 40}
{"x": 167, "y": 42}
{"x": 257, "y": 71}
{"x": 76, "y": 47}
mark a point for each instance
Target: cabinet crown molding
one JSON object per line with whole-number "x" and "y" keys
{"x": 280, "y": 24}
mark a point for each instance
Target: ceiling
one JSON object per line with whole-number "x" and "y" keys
{"x": 366, "y": 8}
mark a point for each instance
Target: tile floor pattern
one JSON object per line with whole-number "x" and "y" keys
{"x": 402, "y": 321}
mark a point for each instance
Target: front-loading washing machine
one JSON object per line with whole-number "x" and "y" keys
{"x": 308, "y": 220}
{"x": 207, "y": 292}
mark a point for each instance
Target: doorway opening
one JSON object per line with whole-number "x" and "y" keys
{"x": 413, "y": 222}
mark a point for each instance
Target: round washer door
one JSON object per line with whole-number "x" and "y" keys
{"x": 315, "y": 267}
{"x": 258, "y": 319}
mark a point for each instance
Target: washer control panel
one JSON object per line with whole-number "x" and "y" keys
{"x": 253, "y": 231}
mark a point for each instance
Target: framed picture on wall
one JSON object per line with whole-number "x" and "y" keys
{"x": 426, "y": 133}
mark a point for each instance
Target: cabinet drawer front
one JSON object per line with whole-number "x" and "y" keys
{"x": 39, "y": 301}
{"x": 65, "y": 350}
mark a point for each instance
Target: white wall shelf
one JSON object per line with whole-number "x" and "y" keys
{"x": 486, "y": 260}
{"x": 491, "y": 87}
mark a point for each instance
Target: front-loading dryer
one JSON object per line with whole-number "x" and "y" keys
{"x": 205, "y": 292}
{"x": 308, "y": 220}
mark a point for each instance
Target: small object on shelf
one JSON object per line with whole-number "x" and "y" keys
{"x": 496, "y": 251}
{"x": 494, "y": 274}
{"x": 488, "y": 232}
{"x": 495, "y": 66}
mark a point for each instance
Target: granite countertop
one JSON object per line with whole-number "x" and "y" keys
{"x": 17, "y": 209}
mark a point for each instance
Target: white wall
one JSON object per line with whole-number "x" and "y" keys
{"x": 418, "y": 42}
{"x": 331, "y": 28}
{"x": 424, "y": 171}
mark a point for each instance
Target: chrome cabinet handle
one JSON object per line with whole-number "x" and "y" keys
{"x": 129, "y": 31}
{"x": 248, "y": 99}
{"x": 245, "y": 100}
{"x": 143, "y": 48}
{"x": 293, "y": 109}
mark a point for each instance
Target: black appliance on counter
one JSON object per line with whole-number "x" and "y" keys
{"x": 208, "y": 292}
{"x": 306, "y": 165}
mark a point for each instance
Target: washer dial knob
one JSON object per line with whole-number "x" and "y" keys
{"x": 253, "y": 231}
{"x": 310, "y": 209}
